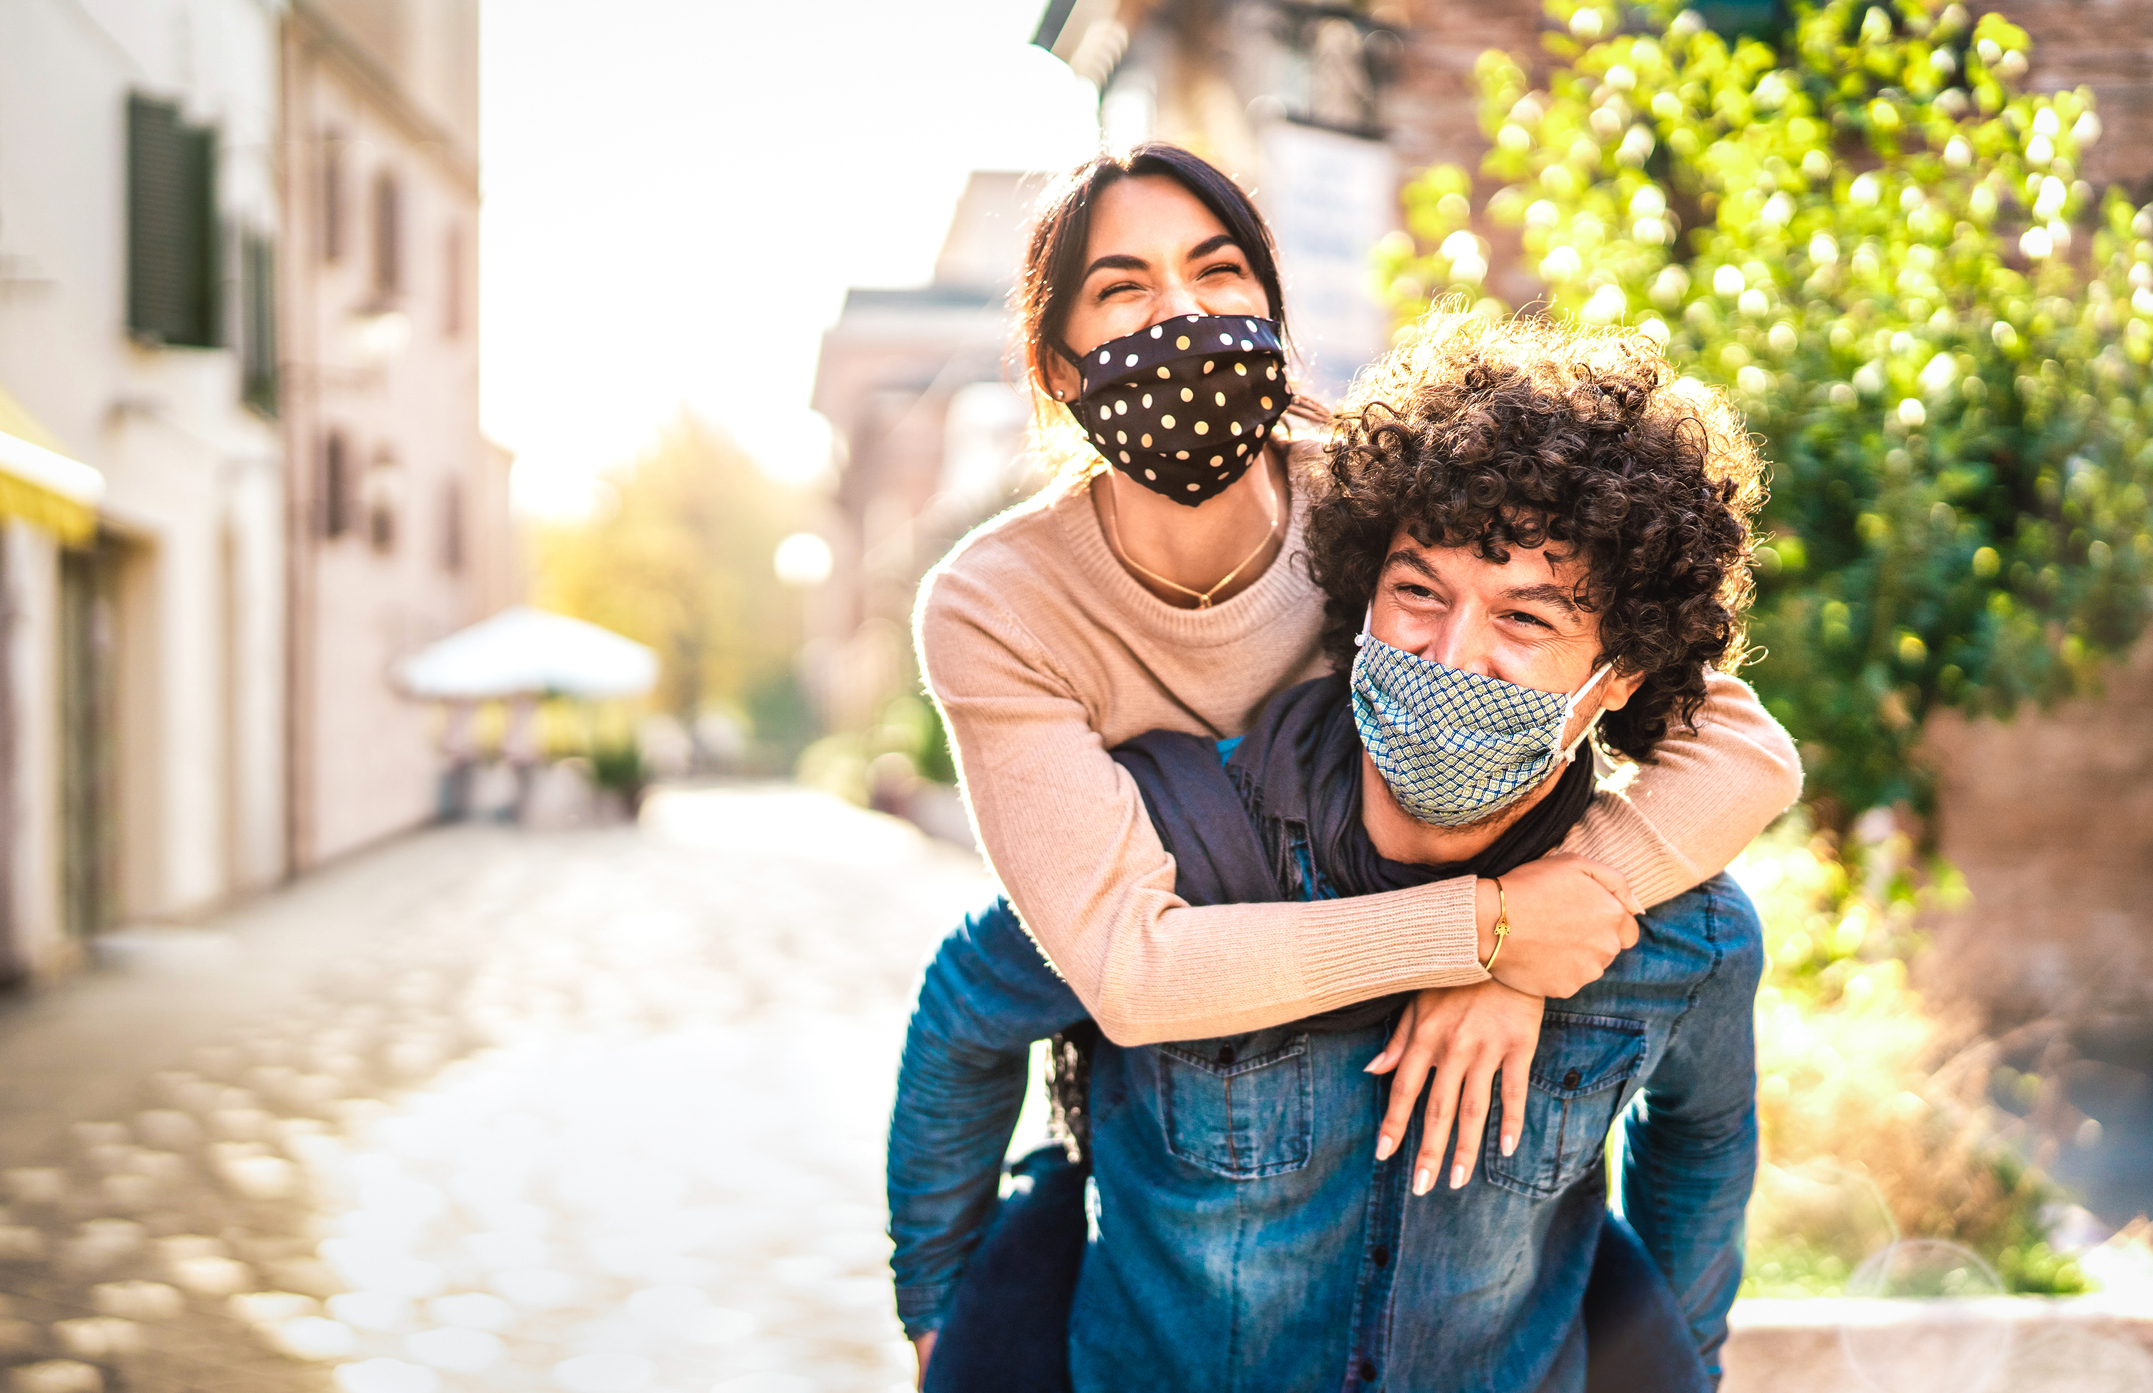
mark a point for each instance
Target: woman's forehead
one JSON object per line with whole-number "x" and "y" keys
{"x": 1148, "y": 215}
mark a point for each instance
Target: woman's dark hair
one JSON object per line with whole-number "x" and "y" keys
{"x": 1054, "y": 253}
{"x": 1525, "y": 433}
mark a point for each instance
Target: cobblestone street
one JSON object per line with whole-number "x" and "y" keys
{"x": 594, "y": 1112}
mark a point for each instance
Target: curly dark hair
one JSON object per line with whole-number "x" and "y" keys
{"x": 1526, "y": 433}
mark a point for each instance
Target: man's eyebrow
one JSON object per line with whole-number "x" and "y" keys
{"x": 1545, "y": 594}
{"x": 1412, "y": 561}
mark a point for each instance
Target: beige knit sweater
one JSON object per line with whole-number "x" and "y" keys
{"x": 1043, "y": 653}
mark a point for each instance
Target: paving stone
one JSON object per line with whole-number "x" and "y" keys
{"x": 594, "y": 1112}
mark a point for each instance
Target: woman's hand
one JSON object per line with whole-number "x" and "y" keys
{"x": 1569, "y": 917}
{"x": 923, "y": 1347}
{"x": 1465, "y": 1034}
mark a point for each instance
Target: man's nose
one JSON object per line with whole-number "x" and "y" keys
{"x": 1461, "y": 642}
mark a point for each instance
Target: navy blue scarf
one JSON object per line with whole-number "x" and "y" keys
{"x": 1235, "y": 829}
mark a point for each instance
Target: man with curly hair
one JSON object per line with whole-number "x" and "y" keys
{"x": 1524, "y": 532}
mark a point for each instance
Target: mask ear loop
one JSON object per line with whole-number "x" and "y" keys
{"x": 1360, "y": 640}
{"x": 1569, "y": 709}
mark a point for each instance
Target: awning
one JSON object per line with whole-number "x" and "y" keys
{"x": 528, "y": 652}
{"x": 39, "y": 483}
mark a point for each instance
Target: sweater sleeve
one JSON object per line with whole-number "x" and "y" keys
{"x": 1706, "y": 795}
{"x": 1065, "y": 831}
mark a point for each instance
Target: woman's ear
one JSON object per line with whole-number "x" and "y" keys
{"x": 1059, "y": 377}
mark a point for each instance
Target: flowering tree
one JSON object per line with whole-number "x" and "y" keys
{"x": 1869, "y": 233}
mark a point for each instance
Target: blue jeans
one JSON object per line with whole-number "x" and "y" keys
{"x": 1007, "y": 1326}
{"x": 1246, "y": 1240}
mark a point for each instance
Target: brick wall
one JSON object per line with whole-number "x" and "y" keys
{"x": 2104, "y": 45}
{"x": 2107, "y": 46}
{"x": 2050, "y": 818}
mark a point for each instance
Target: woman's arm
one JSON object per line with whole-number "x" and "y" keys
{"x": 1705, "y": 796}
{"x": 984, "y": 997}
{"x": 1065, "y": 831}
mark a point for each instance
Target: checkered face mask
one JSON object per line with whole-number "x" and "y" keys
{"x": 1455, "y": 747}
{"x": 1184, "y": 407}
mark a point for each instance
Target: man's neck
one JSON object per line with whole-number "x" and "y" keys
{"x": 1399, "y": 836}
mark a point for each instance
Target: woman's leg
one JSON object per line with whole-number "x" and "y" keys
{"x": 1007, "y": 1330}
{"x": 1635, "y": 1338}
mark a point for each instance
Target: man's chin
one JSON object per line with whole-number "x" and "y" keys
{"x": 1506, "y": 813}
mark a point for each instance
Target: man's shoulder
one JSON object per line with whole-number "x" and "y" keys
{"x": 1708, "y": 939}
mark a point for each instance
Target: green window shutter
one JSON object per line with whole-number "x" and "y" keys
{"x": 258, "y": 304}
{"x": 173, "y": 286}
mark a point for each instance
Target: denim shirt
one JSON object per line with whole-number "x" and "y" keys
{"x": 1245, "y": 1239}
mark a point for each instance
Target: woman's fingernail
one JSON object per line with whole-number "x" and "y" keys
{"x": 1422, "y": 1181}
{"x": 1384, "y": 1147}
{"x": 1457, "y": 1177}
{"x": 1510, "y": 1144}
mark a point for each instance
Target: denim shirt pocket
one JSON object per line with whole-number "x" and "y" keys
{"x": 1578, "y": 1075}
{"x": 1240, "y": 1106}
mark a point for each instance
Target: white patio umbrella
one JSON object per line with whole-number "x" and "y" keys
{"x": 528, "y": 652}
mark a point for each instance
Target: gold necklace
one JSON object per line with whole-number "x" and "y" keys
{"x": 1202, "y": 597}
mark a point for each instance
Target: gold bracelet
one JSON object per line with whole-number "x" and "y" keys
{"x": 1502, "y": 924}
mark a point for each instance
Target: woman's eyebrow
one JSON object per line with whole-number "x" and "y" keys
{"x": 1117, "y": 261}
{"x": 1122, "y": 261}
{"x": 1211, "y": 244}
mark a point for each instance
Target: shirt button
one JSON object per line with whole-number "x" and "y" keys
{"x": 1226, "y": 1054}
{"x": 1367, "y": 1371}
{"x": 1569, "y": 1080}
{"x": 1381, "y": 1256}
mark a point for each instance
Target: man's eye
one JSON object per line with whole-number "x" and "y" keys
{"x": 1532, "y": 619}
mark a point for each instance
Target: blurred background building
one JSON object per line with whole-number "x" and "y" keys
{"x": 145, "y": 657}
{"x": 916, "y": 384}
{"x": 398, "y": 507}
{"x": 194, "y": 683}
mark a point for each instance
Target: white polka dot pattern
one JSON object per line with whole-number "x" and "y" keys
{"x": 1123, "y": 393}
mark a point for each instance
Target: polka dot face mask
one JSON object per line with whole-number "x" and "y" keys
{"x": 1184, "y": 407}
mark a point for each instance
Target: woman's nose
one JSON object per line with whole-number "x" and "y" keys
{"x": 1177, "y": 298}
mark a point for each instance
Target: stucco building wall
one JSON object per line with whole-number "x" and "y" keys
{"x": 401, "y": 541}
{"x": 192, "y": 516}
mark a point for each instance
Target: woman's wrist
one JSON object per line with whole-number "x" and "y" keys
{"x": 1487, "y": 909}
